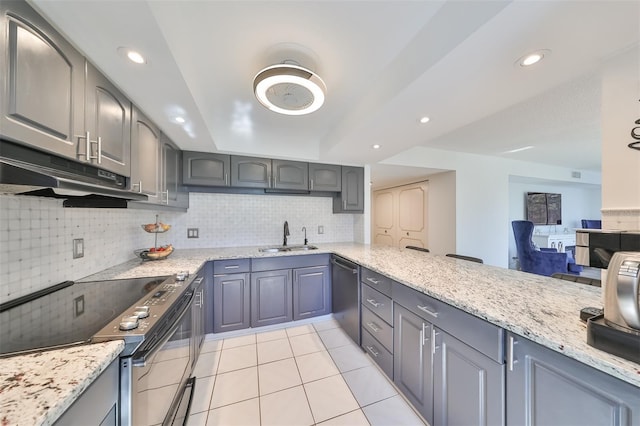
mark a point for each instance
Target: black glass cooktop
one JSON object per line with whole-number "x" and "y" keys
{"x": 70, "y": 313}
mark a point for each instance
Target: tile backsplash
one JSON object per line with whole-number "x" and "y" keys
{"x": 36, "y": 234}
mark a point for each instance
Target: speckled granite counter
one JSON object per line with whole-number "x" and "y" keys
{"x": 38, "y": 388}
{"x": 542, "y": 309}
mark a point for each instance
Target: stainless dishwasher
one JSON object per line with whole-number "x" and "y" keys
{"x": 345, "y": 291}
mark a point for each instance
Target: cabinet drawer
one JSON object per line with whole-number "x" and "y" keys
{"x": 231, "y": 266}
{"x": 481, "y": 335}
{"x": 376, "y": 280}
{"x": 380, "y": 330}
{"x": 378, "y": 303}
{"x": 380, "y": 355}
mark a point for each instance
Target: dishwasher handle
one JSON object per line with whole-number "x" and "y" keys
{"x": 343, "y": 266}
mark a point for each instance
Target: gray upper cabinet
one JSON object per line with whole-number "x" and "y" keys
{"x": 311, "y": 292}
{"x": 145, "y": 157}
{"x": 548, "y": 388}
{"x": 325, "y": 177}
{"x": 206, "y": 169}
{"x": 42, "y": 79}
{"x": 290, "y": 174}
{"x": 107, "y": 140}
{"x": 351, "y": 199}
{"x": 172, "y": 193}
{"x": 271, "y": 298}
{"x": 250, "y": 172}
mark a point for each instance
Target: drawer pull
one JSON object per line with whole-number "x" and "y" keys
{"x": 374, "y": 303}
{"x": 373, "y": 326}
{"x": 428, "y": 311}
{"x": 232, "y": 267}
{"x": 373, "y": 280}
{"x": 372, "y": 350}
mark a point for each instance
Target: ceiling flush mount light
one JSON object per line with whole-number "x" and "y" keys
{"x": 533, "y": 57}
{"x": 424, "y": 120}
{"x": 289, "y": 89}
{"x": 133, "y": 55}
{"x": 376, "y": 146}
{"x": 180, "y": 120}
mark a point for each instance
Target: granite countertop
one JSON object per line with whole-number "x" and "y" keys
{"x": 36, "y": 389}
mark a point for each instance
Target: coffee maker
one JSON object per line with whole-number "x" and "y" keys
{"x": 617, "y": 331}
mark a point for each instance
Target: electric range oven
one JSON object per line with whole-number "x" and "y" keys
{"x": 152, "y": 315}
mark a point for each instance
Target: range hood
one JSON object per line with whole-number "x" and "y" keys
{"x": 28, "y": 172}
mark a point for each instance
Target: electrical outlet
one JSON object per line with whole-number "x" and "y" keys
{"x": 78, "y": 248}
{"x": 192, "y": 232}
{"x": 320, "y": 229}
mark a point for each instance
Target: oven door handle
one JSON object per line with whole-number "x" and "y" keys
{"x": 141, "y": 361}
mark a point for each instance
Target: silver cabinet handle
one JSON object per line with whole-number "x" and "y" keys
{"x": 353, "y": 270}
{"x": 374, "y": 303}
{"x": 424, "y": 338}
{"x": 311, "y": 184}
{"x": 344, "y": 204}
{"x": 232, "y": 267}
{"x": 510, "y": 356}
{"x": 226, "y": 178}
{"x": 373, "y": 326}
{"x": 166, "y": 193}
{"x": 373, "y": 280}
{"x": 433, "y": 340}
{"x": 269, "y": 181}
{"x": 426, "y": 310}
{"x": 373, "y": 351}
{"x": 139, "y": 185}
{"x": 99, "y": 149}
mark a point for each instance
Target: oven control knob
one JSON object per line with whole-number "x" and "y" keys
{"x": 141, "y": 312}
{"x": 128, "y": 323}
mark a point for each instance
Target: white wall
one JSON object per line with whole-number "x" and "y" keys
{"x": 578, "y": 202}
{"x": 36, "y": 233}
{"x": 482, "y": 195}
{"x": 441, "y": 202}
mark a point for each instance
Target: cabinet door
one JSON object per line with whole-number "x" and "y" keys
{"x": 290, "y": 174}
{"x": 146, "y": 151}
{"x": 207, "y": 169}
{"x": 384, "y": 217}
{"x": 250, "y": 172}
{"x": 172, "y": 192}
{"x": 413, "y": 360}
{"x": 412, "y": 215}
{"x": 231, "y": 302}
{"x": 325, "y": 177}
{"x": 351, "y": 199}
{"x": 42, "y": 79}
{"x": 271, "y": 297}
{"x": 545, "y": 387}
{"x": 108, "y": 123}
{"x": 468, "y": 385}
{"x": 311, "y": 292}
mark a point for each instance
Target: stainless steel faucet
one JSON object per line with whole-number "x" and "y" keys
{"x": 286, "y": 232}
{"x": 304, "y": 228}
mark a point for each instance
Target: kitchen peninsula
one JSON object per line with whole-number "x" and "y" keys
{"x": 540, "y": 309}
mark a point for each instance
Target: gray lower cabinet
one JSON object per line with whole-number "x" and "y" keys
{"x": 468, "y": 386}
{"x": 548, "y": 388}
{"x": 271, "y": 297}
{"x": 231, "y": 295}
{"x": 145, "y": 157}
{"x": 205, "y": 168}
{"x": 351, "y": 198}
{"x": 325, "y": 177}
{"x": 98, "y": 404}
{"x": 107, "y": 140}
{"x": 311, "y": 292}
{"x": 42, "y": 82}
{"x": 250, "y": 172}
{"x": 413, "y": 360}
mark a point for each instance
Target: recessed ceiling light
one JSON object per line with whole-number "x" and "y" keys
{"x": 289, "y": 89}
{"x": 376, "y": 146}
{"x": 179, "y": 120}
{"x": 533, "y": 57}
{"x": 424, "y": 120}
{"x": 133, "y": 55}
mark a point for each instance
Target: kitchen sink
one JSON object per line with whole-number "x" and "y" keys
{"x": 276, "y": 249}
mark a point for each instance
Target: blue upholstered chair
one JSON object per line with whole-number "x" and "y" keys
{"x": 591, "y": 224}
{"x": 544, "y": 261}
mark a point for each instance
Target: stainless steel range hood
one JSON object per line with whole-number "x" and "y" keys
{"x": 46, "y": 175}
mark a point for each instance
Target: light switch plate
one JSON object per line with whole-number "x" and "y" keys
{"x": 320, "y": 229}
{"x": 192, "y": 233}
{"x": 78, "y": 248}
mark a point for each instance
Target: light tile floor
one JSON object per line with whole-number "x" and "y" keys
{"x": 301, "y": 375}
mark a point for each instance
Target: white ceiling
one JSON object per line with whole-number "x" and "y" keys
{"x": 385, "y": 64}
